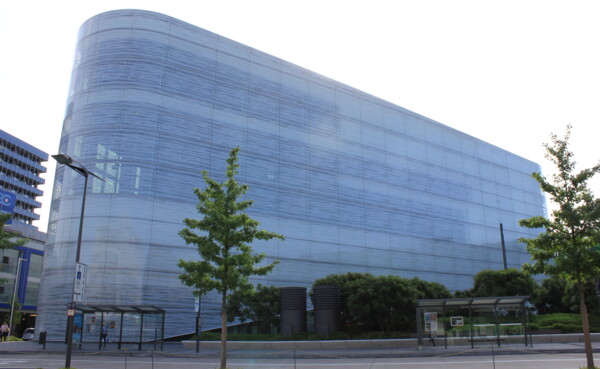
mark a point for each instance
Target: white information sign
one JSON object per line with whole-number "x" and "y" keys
{"x": 80, "y": 281}
{"x": 197, "y": 304}
{"x": 431, "y": 321}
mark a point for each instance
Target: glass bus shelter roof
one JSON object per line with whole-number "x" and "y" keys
{"x": 145, "y": 309}
{"x": 472, "y": 301}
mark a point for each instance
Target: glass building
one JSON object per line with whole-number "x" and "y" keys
{"x": 20, "y": 170}
{"x": 356, "y": 184}
{"x": 21, "y": 267}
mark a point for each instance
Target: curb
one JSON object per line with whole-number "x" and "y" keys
{"x": 319, "y": 354}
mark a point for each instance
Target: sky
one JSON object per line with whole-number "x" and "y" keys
{"x": 507, "y": 72}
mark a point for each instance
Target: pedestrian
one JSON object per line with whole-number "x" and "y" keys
{"x": 4, "y": 332}
{"x": 104, "y": 334}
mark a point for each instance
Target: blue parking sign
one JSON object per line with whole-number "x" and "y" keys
{"x": 7, "y": 203}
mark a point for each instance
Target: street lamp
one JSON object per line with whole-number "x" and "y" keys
{"x": 15, "y": 291}
{"x": 77, "y": 167}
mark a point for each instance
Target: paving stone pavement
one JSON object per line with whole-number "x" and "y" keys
{"x": 177, "y": 349}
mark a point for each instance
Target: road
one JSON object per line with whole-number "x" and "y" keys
{"x": 536, "y": 361}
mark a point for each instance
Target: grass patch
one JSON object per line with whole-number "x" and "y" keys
{"x": 566, "y": 323}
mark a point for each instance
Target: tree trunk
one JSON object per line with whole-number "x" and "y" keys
{"x": 586, "y": 328}
{"x": 224, "y": 330}
{"x": 598, "y": 290}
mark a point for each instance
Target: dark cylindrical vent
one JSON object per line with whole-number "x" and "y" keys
{"x": 327, "y": 301}
{"x": 293, "y": 310}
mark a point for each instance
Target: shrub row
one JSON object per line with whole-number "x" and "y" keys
{"x": 566, "y": 323}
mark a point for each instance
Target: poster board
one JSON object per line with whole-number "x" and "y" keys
{"x": 430, "y": 321}
{"x": 457, "y": 321}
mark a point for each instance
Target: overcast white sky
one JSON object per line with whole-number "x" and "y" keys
{"x": 507, "y": 72}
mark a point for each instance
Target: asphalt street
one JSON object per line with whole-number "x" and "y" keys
{"x": 31, "y": 355}
{"x": 535, "y": 361}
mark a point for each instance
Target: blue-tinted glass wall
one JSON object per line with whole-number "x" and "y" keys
{"x": 30, "y": 270}
{"x": 356, "y": 184}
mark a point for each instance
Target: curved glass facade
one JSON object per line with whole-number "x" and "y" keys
{"x": 355, "y": 183}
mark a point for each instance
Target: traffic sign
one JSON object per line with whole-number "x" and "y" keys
{"x": 80, "y": 281}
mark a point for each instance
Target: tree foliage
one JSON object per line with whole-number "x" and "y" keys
{"x": 344, "y": 282}
{"x": 8, "y": 240}
{"x": 16, "y": 318}
{"x": 430, "y": 290}
{"x": 504, "y": 282}
{"x": 557, "y": 296}
{"x": 380, "y": 303}
{"x": 566, "y": 245}
{"x": 223, "y": 240}
{"x": 552, "y": 297}
{"x": 384, "y": 303}
{"x": 260, "y": 305}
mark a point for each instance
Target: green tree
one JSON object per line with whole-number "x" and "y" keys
{"x": 8, "y": 240}
{"x": 463, "y": 293}
{"x": 552, "y": 297}
{"x": 343, "y": 281}
{"x": 16, "y": 319}
{"x": 430, "y": 290}
{"x": 260, "y": 304}
{"x": 223, "y": 242}
{"x": 571, "y": 297}
{"x": 383, "y": 303}
{"x": 503, "y": 282}
{"x": 558, "y": 296}
{"x": 565, "y": 247}
{"x": 380, "y": 303}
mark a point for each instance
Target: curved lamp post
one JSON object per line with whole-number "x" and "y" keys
{"x": 77, "y": 167}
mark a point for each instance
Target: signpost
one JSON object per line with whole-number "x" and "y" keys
{"x": 80, "y": 282}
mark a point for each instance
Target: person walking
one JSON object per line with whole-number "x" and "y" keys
{"x": 104, "y": 334}
{"x": 4, "y": 332}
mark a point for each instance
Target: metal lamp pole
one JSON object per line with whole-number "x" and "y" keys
{"x": 77, "y": 167}
{"x": 15, "y": 290}
{"x": 198, "y": 309}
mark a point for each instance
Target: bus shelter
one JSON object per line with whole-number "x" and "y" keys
{"x": 480, "y": 319}
{"x": 123, "y": 324}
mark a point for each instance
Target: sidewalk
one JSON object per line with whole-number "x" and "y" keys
{"x": 178, "y": 349}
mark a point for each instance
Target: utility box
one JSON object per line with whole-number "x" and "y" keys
{"x": 327, "y": 300}
{"x": 293, "y": 310}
